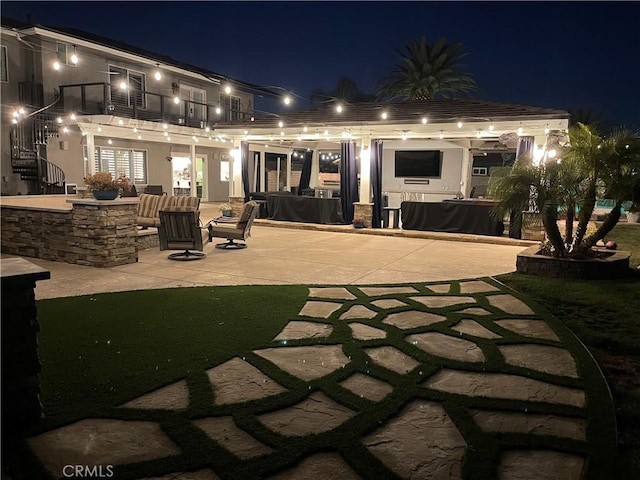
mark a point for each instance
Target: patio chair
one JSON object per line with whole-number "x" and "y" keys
{"x": 234, "y": 228}
{"x": 179, "y": 230}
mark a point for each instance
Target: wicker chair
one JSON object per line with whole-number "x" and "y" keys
{"x": 180, "y": 230}
{"x": 234, "y": 228}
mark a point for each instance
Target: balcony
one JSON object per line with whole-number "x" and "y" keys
{"x": 102, "y": 99}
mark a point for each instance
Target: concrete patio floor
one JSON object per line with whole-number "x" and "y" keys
{"x": 297, "y": 255}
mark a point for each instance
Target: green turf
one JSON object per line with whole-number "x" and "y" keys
{"x": 103, "y": 350}
{"x": 605, "y": 315}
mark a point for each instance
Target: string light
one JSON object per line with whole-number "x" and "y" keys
{"x": 287, "y": 100}
{"x": 74, "y": 56}
{"x": 459, "y": 124}
{"x": 441, "y": 134}
{"x": 59, "y": 119}
{"x": 281, "y": 124}
{"x": 546, "y": 130}
{"x": 218, "y": 110}
{"x": 176, "y": 100}
{"x": 491, "y": 127}
{"x": 520, "y": 130}
{"x": 56, "y": 65}
{"x": 424, "y": 120}
{"x": 384, "y": 115}
{"x": 123, "y": 85}
{"x": 157, "y": 75}
{"x": 72, "y": 116}
{"x": 110, "y": 141}
{"x": 339, "y": 108}
{"x": 139, "y": 137}
{"x": 227, "y": 89}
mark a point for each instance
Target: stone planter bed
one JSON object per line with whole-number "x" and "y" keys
{"x": 613, "y": 265}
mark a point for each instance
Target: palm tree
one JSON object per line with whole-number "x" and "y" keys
{"x": 345, "y": 90}
{"x": 591, "y": 166}
{"x": 427, "y": 70}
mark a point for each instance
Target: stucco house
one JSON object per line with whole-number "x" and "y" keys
{"x": 74, "y": 103}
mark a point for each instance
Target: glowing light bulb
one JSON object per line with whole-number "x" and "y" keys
{"x": 139, "y": 137}
{"x": 74, "y": 58}
{"x": 519, "y": 130}
{"x": 459, "y": 124}
{"x": 72, "y": 116}
{"x": 281, "y": 124}
{"x": 120, "y": 122}
{"x": 99, "y": 129}
{"x": 491, "y": 127}
{"x": 339, "y": 109}
{"x": 56, "y": 65}
{"x": 227, "y": 89}
{"x": 157, "y": 75}
{"x": 166, "y": 134}
{"x": 110, "y": 141}
{"x": 59, "y": 120}
{"x": 384, "y": 115}
{"x": 304, "y": 129}
{"x": 424, "y": 120}
{"x": 165, "y": 126}
{"x": 441, "y": 134}
{"x": 218, "y": 110}
{"x": 176, "y": 100}
{"x": 135, "y": 129}
{"x": 287, "y": 100}
{"x": 123, "y": 85}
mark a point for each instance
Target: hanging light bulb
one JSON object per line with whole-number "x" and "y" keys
{"x": 99, "y": 129}
{"x": 384, "y": 115}
{"x": 157, "y": 75}
{"x": 176, "y": 100}
{"x": 120, "y": 122}
{"x": 339, "y": 108}
{"x": 59, "y": 120}
{"x": 139, "y": 137}
{"x": 281, "y": 124}
{"x": 135, "y": 129}
{"x": 72, "y": 116}
{"x": 123, "y": 85}
{"x": 424, "y": 120}
{"x": 491, "y": 127}
{"x": 56, "y": 65}
{"x": 546, "y": 130}
{"x": 110, "y": 141}
{"x": 459, "y": 124}
{"x": 218, "y": 110}
{"x": 287, "y": 100}
{"x": 520, "y": 130}
{"x": 74, "y": 56}
{"x": 441, "y": 134}
{"x": 227, "y": 89}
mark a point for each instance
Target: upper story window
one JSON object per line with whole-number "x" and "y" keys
{"x": 232, "y": 107}
{"x": 5, "y": 70}
{"x": 127, "y": 87}
{"x": 479, "y": 171}
{"x": 66, "y": 54}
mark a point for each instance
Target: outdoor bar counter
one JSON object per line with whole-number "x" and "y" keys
{"x": 451, "y": 216}
{"x": 295, "y": 208}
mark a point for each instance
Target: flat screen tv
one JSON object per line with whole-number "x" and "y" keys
{"x": 418, "y": 163}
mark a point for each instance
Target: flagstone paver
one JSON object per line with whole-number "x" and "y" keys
{"x": 97, "y": 441}
{"x": 393, "y": 359}
{"x": 554, "y": 360}
{"x": 321, "y": 466}
{"x": 538, "y": 424}
{"x": 477, "y": 286}
{"x": 501, "y": 385}
{"x": 413, "y": 319}
{"x": 299, "y": 330}
{"x": 475, "y": 311}
{"x": 360, "y": 331}
{"x": 306, "y": 363}
{"x": 238, "y": 381}
{"x": 171, "y": 397}
{"x": 446, "y": 346}
{"x": 421, "y": 442}
{"x": 440, "y": 288}
{"x": 237, "y": 441}
{"x": 529, "y": 328}
{"x": 358, "y": 311}
{"x": 510, "y": 304}
{"x": 388, "y": 303}
{"x": 471, "y": 327}
{"x": 367, "y": 387}
{"x": 331, "y": 292}
{"x": 377, "y": 291}
{"x": 405, "y": 424}
{"x": 316, "y": 414}
{"x": 317, "y": 309}
{"x": 435, "y": 301}
{"x": 539, "y": 465}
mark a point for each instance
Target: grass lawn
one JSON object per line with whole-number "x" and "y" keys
{"x": 101, "y": 351}
{"x": 605, "y": 315}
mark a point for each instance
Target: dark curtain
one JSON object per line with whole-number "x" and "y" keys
{"x": 244, "y": 158}
{"x": 348, "y": 179}
{"x": 376, "y": 182}
{"x": 305, "y": 176}
{"x": 525, "y": 146}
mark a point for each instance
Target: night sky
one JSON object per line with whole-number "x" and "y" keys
{"x": 565, "y": 55}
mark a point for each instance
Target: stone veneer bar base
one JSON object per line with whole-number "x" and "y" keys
{"x": 615, "y": 265}
{"x": 20, "y": 360}
{"x": 95, "y": 233}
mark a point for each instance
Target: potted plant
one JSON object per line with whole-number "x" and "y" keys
{"x": 225, "y": 209}
{"x": 104, "y": 187}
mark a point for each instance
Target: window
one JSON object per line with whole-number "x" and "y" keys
{"x": 5, "y": 70}
{"x": 122, "y": 161}
{"x": 136, "y": 85}
{"x": 64, "y": 53}
{"x": 224, "y": 168}
{"x": 232, "y": 107}
{"x": 479, "y": 171}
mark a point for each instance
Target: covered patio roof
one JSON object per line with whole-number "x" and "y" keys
{"x": 431, "y": 119}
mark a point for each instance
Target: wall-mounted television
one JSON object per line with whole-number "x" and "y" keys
{"x": 418, "y": 163}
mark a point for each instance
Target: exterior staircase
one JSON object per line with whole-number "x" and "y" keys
{"x": 29, "y": 139}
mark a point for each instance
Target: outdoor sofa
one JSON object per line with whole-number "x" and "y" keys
{"x": 150, "y": 205}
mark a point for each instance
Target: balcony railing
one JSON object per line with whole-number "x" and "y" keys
{"x": 102, "y": 99}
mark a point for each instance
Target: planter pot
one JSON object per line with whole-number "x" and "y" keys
{"x": 358, "y": 225}
{"x": 633, "y": 217}
{"x": 105, "y": 194}
{"x": 610, "y": 264}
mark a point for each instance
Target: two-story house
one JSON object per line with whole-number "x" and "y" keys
{"x": 68, "y": 94}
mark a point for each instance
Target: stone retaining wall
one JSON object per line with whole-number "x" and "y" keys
{"x": 99, "y": 234}
{"x": 615, "y": 265}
